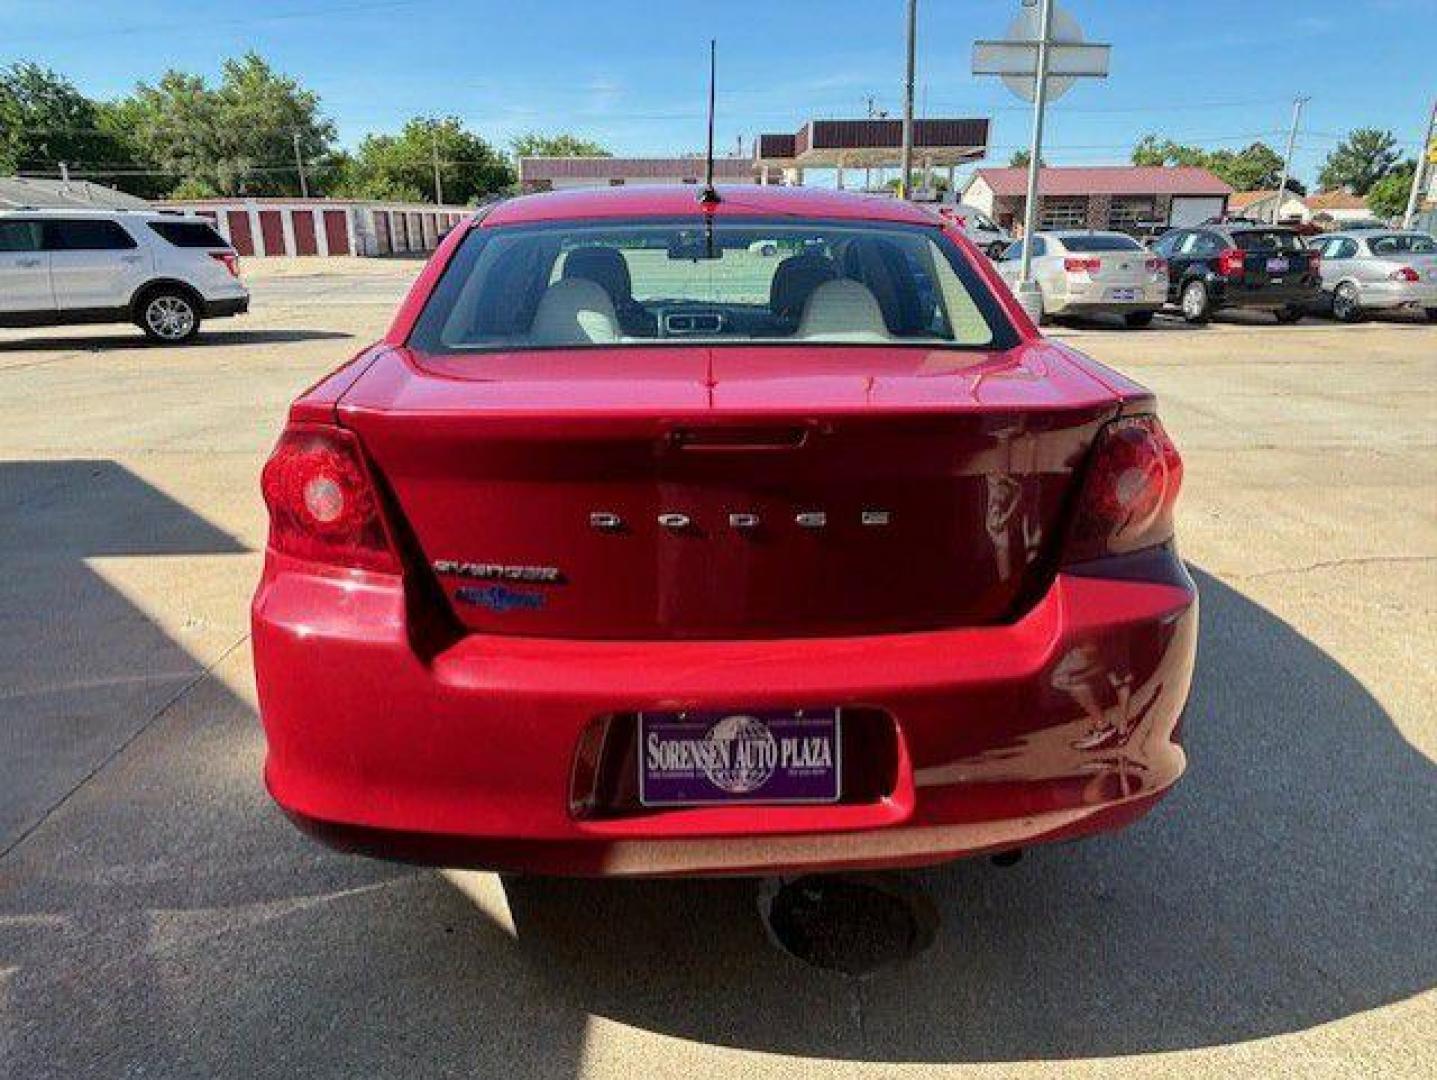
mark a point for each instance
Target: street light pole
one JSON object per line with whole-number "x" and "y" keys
{"x": 905, "y": 176}
{"x": 1035, "y": 149}
{"x": 1423, "y": 152}
{"x": 299, "y": 165}
{"x": 1297, "y": 104}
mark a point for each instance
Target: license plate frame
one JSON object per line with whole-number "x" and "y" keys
{"x": 1277, "y": 265}
{"x": 740, "y": 757}
{"x": 1126, "y": 294}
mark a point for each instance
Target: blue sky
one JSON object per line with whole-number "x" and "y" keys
{"x": 631, "y": 74}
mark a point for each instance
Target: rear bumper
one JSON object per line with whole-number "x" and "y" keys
{"x": 1095, "y": 300}
{"x": 1396, "y": 294}
{"x": 1226, "y": 294}
{"x": 229, "y": 305}
{"x": 1064, "y": 723}
{"x": 1109, "y": 307}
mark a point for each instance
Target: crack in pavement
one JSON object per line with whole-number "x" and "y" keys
{"x": 1329, "y": 564}
{"x": 125, "y": 743}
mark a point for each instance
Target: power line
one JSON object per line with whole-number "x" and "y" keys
{"x": 209, "y": 26}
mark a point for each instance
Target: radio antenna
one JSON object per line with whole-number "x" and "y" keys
{"x": 710, "y": 194}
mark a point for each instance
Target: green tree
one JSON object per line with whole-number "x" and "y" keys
{"x": 1253, "y": 168}
{"x": 45, "y": 120}
{"x": 402, "y": 166}
{"x": 235, "y": 139}
{"x": 1388, "y": 197}
{"x": 915, "y": 182}
{"x": 1360, "y": 160}
{"x": 532, "y": 144}
{"x": 1020, "y": 159}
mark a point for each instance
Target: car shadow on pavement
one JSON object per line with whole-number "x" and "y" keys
{"x": 137, "y": 340}
{"x": 1287, "y": 882}
{"x": 158, "y": 916}
{"x": 164, "y": 919}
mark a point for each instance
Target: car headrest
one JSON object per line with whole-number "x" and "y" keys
{"x": 575, "y": 311}
{"x": 842, "y": 310}
{"x": 794, "y": 281}
{"x": 604, "y": 266}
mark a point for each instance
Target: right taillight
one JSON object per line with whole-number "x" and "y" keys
{"x": 323, "y": 506}
{"x": 1230, "y": 262}
{"x": 1128, "y": 492}
{"x": 228, "y": 259}
{"x": 1404, "y": 273}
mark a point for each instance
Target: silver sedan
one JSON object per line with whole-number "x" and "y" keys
{"x": 1383, "y": 269}
{"x": 1092, "y": 273}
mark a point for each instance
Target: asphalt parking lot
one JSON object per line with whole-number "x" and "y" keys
{"x": 159, "y": 918}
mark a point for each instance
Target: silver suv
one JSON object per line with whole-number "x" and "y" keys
{"x": 163, "y": 272}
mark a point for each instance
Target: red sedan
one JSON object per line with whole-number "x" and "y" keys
{"x": 668, "y": 536}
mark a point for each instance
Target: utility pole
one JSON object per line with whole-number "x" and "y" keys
{"x": 1035, "y": 147}
{"x": 1297, "y": 104}
{"x": 64, "y": 172}
{"x": 434, "y": 152}
{"x": 868, "y": 169}
{"x": 906, "y": 175}
{"x": 299, "y": 165}
{"x": 1423, "y": 153}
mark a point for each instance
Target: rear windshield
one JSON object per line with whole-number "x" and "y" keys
{"x": 651, "y": 282}
{"x": 1403, "y": 244}
{"x": 1101, "y": 243}
{"x": 1268, "y": 240}
{"x": 189, "y": 234}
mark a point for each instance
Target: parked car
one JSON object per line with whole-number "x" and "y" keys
{"x": 1092, "y": 273}
{"x": 1378, "y": 271}
{"x": 992, "y": 239}
{"x": 1212, "y": 267}
{"x": 840, "y": 566}
{"x": 165, "y": 273}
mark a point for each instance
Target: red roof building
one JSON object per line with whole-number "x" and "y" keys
{"x": 1130, "y": 198}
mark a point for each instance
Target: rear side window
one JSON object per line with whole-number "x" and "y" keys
{"x": 1101, "y": 243}
{"x": 86, "y": 235}
{"x": 188, "y": 234}
{"x": 1268, "y": 240}
{"x": 1167, "y": 242}
{"x": 1015, "y": 249}
{"x": 1403, "y": 244}
{"x": 19, "y": 236}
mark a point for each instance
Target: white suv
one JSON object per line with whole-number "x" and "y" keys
{"x": 162, "y": 272}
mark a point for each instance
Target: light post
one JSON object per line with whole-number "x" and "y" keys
{"x": 1038, "y": 61}
{"x": 905, "y": 175}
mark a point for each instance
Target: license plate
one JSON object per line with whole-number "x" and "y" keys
{"x": 1277, "y": 266}
{"x": 1122, "y": 294}
{"x": 703, "y": 758}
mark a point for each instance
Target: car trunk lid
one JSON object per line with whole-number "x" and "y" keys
{"x": 733, "y": 492}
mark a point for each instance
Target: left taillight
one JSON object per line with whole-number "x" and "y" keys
{"x": 323, "y": 504}
{"x": 229, "y": 259}
{"x": 1128, "y": 493}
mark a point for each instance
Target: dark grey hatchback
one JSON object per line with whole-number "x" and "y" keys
{"x": 1239, "y": 266}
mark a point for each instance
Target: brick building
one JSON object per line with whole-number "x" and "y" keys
{"x": 1129, "y": 198}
